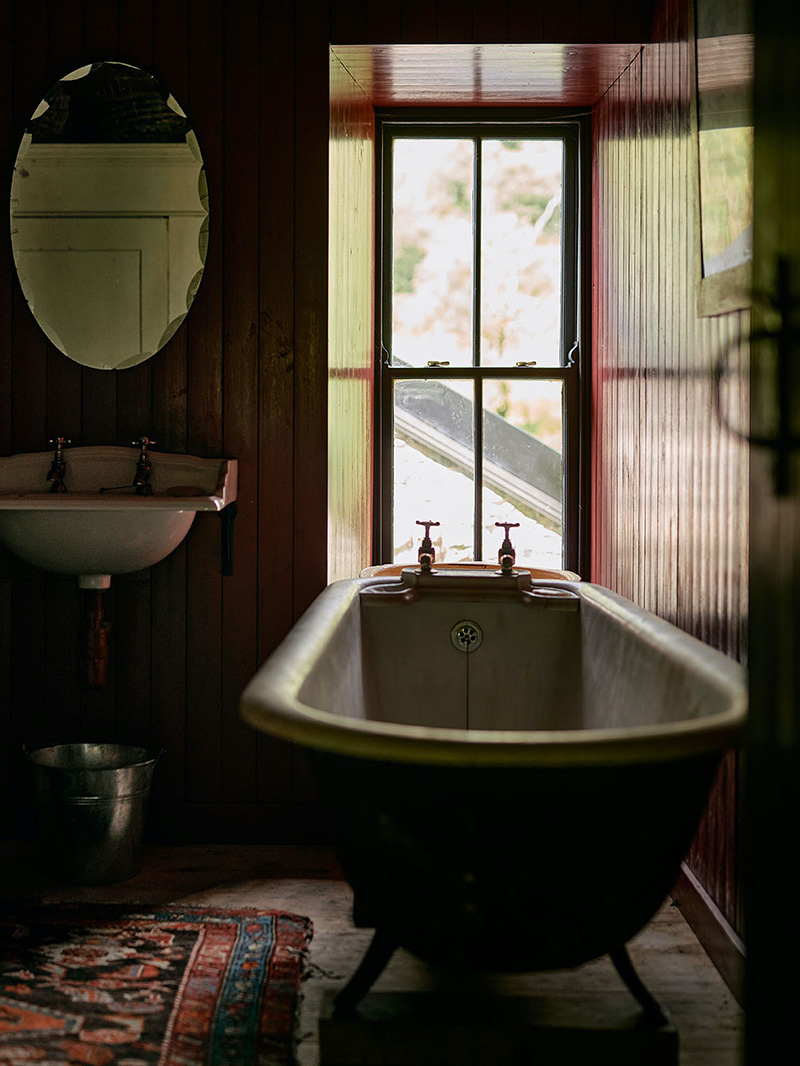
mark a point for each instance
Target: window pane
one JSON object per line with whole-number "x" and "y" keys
{"x": 521, "y": 252}
{"x": 522, "y": 469}
{"x": 432, "y": 272}
{"x": 433, "y": 468}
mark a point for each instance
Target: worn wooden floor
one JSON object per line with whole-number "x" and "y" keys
{"x": 306, "y": 881}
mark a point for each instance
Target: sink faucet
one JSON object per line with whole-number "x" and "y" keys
{"x": 58, "y": 467}
{"x": 426, "y": 553}
{"x": 506, "y": 555}
{"x": 141, "y": 479}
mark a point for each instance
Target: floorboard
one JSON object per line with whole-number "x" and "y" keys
{"x": 307, "y": 881}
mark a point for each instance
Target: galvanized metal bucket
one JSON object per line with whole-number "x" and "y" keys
{"x": 92, "y": 803}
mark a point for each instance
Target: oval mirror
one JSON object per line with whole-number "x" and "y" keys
{"x": 109, "y": 215}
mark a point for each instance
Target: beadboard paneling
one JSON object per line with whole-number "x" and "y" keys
{"x": 669, "y": 495}
{"x": 485, "y": 75}
{"x": 247, "y": 376}
{"x": 476, "y": 21}
{"x": 351, "y": 287}
{"x": 185, "y": 639}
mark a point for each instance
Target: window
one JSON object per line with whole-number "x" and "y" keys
{"x": 479, "y": 311}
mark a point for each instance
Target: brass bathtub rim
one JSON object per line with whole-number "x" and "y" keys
{"x": 289, "y": 718}
{"x": 395, "y": 742}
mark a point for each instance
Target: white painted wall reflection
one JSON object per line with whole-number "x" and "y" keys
{"x": 109, "y": 216}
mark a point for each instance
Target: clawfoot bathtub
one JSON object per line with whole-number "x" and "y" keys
{"x": 513, "y": 768}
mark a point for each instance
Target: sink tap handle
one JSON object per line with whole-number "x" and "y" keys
{"x": 506, "y": 555}
{"x": 59, "y": 443}
{"x": 143, "y": 443}
{"x": 426, "y": 553}
{"x": 141, "y": 480}
{"x": 58, "y": 467}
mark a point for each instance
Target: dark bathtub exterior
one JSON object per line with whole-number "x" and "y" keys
{"x": 515, "y": 869}
{"x": 502, "y": 846}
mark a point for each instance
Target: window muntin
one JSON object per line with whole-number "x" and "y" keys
{"x": 480, "y": 274}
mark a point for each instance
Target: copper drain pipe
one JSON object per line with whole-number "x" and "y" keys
{"x": 96, "y": 657}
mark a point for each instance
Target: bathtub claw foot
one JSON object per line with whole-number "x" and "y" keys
{"x": 373, "y": 964}
{"x": 653, "y": 1015}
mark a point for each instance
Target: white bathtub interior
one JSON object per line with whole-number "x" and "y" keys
{"x": 582, "y": 663}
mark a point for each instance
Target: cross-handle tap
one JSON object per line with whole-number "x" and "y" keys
{"x": 141, "y": 479}
{"x": 506, "y": 555}
{"x": 426, "y": 553}
{"x": 58, "y": 467}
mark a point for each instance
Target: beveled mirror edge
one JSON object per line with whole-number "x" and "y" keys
{"x": 173, "y": 321}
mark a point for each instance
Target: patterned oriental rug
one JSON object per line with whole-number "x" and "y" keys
{"x": 187, "y": 986}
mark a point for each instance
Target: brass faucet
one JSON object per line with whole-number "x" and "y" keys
{"x": 506, "y": 556}
{"x": 58, "y": 467}
{"x": 426, "y": 553}
{"x": 141, "y": 479}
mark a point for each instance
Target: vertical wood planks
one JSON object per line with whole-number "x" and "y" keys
{"x": 277, "y": 165}
{"x": 169, "y": 427}
{"x": 243, "y": 121}
{"x": 383, "y": 23}
{"x": 132, "y": 664}
{"x": 64, "y": 620}
{"x": 6, "y": 709}
{"x": 311, "y": 304}
{"x": 673, "y": 535}
{"x": 561, "y": 22}
{"x": 350, "y": 327}
{"x": 133, "y": 633}
{"x": 348, "y": 22}
{"x": 8, "y": 138}
{"x": 526, "y": 20}
{"x": 417, "y": 21}
{"x": 25, "y": 431}
{"x": 310, "y": 321}
{"x": 136, "y": 33}
{"x": 484, "y": 22}
{"x": 457, "y": 21}
{"x": 246, "y": 376}
{"x": 489, "y": 21}
{"x": 204, "y": 326}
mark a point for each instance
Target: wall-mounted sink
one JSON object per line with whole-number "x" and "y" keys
{"x": 94, "y": 534}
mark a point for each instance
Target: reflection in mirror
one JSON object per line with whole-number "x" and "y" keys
{"x": 724, "y": 42}
{"x": 109, "y": 215}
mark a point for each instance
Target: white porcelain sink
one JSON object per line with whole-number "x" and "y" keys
{"x": 93, "y": 534}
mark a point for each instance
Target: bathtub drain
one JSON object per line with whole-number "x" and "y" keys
{"x": 466, "y": 636}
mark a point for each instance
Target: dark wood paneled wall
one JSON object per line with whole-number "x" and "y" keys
{"x": 245, "y": 376}
{"x": 670, "y": 526}
{"x": 457, "y": 21}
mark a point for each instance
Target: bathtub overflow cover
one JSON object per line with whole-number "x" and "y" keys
{"x": 466, "y": 636}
